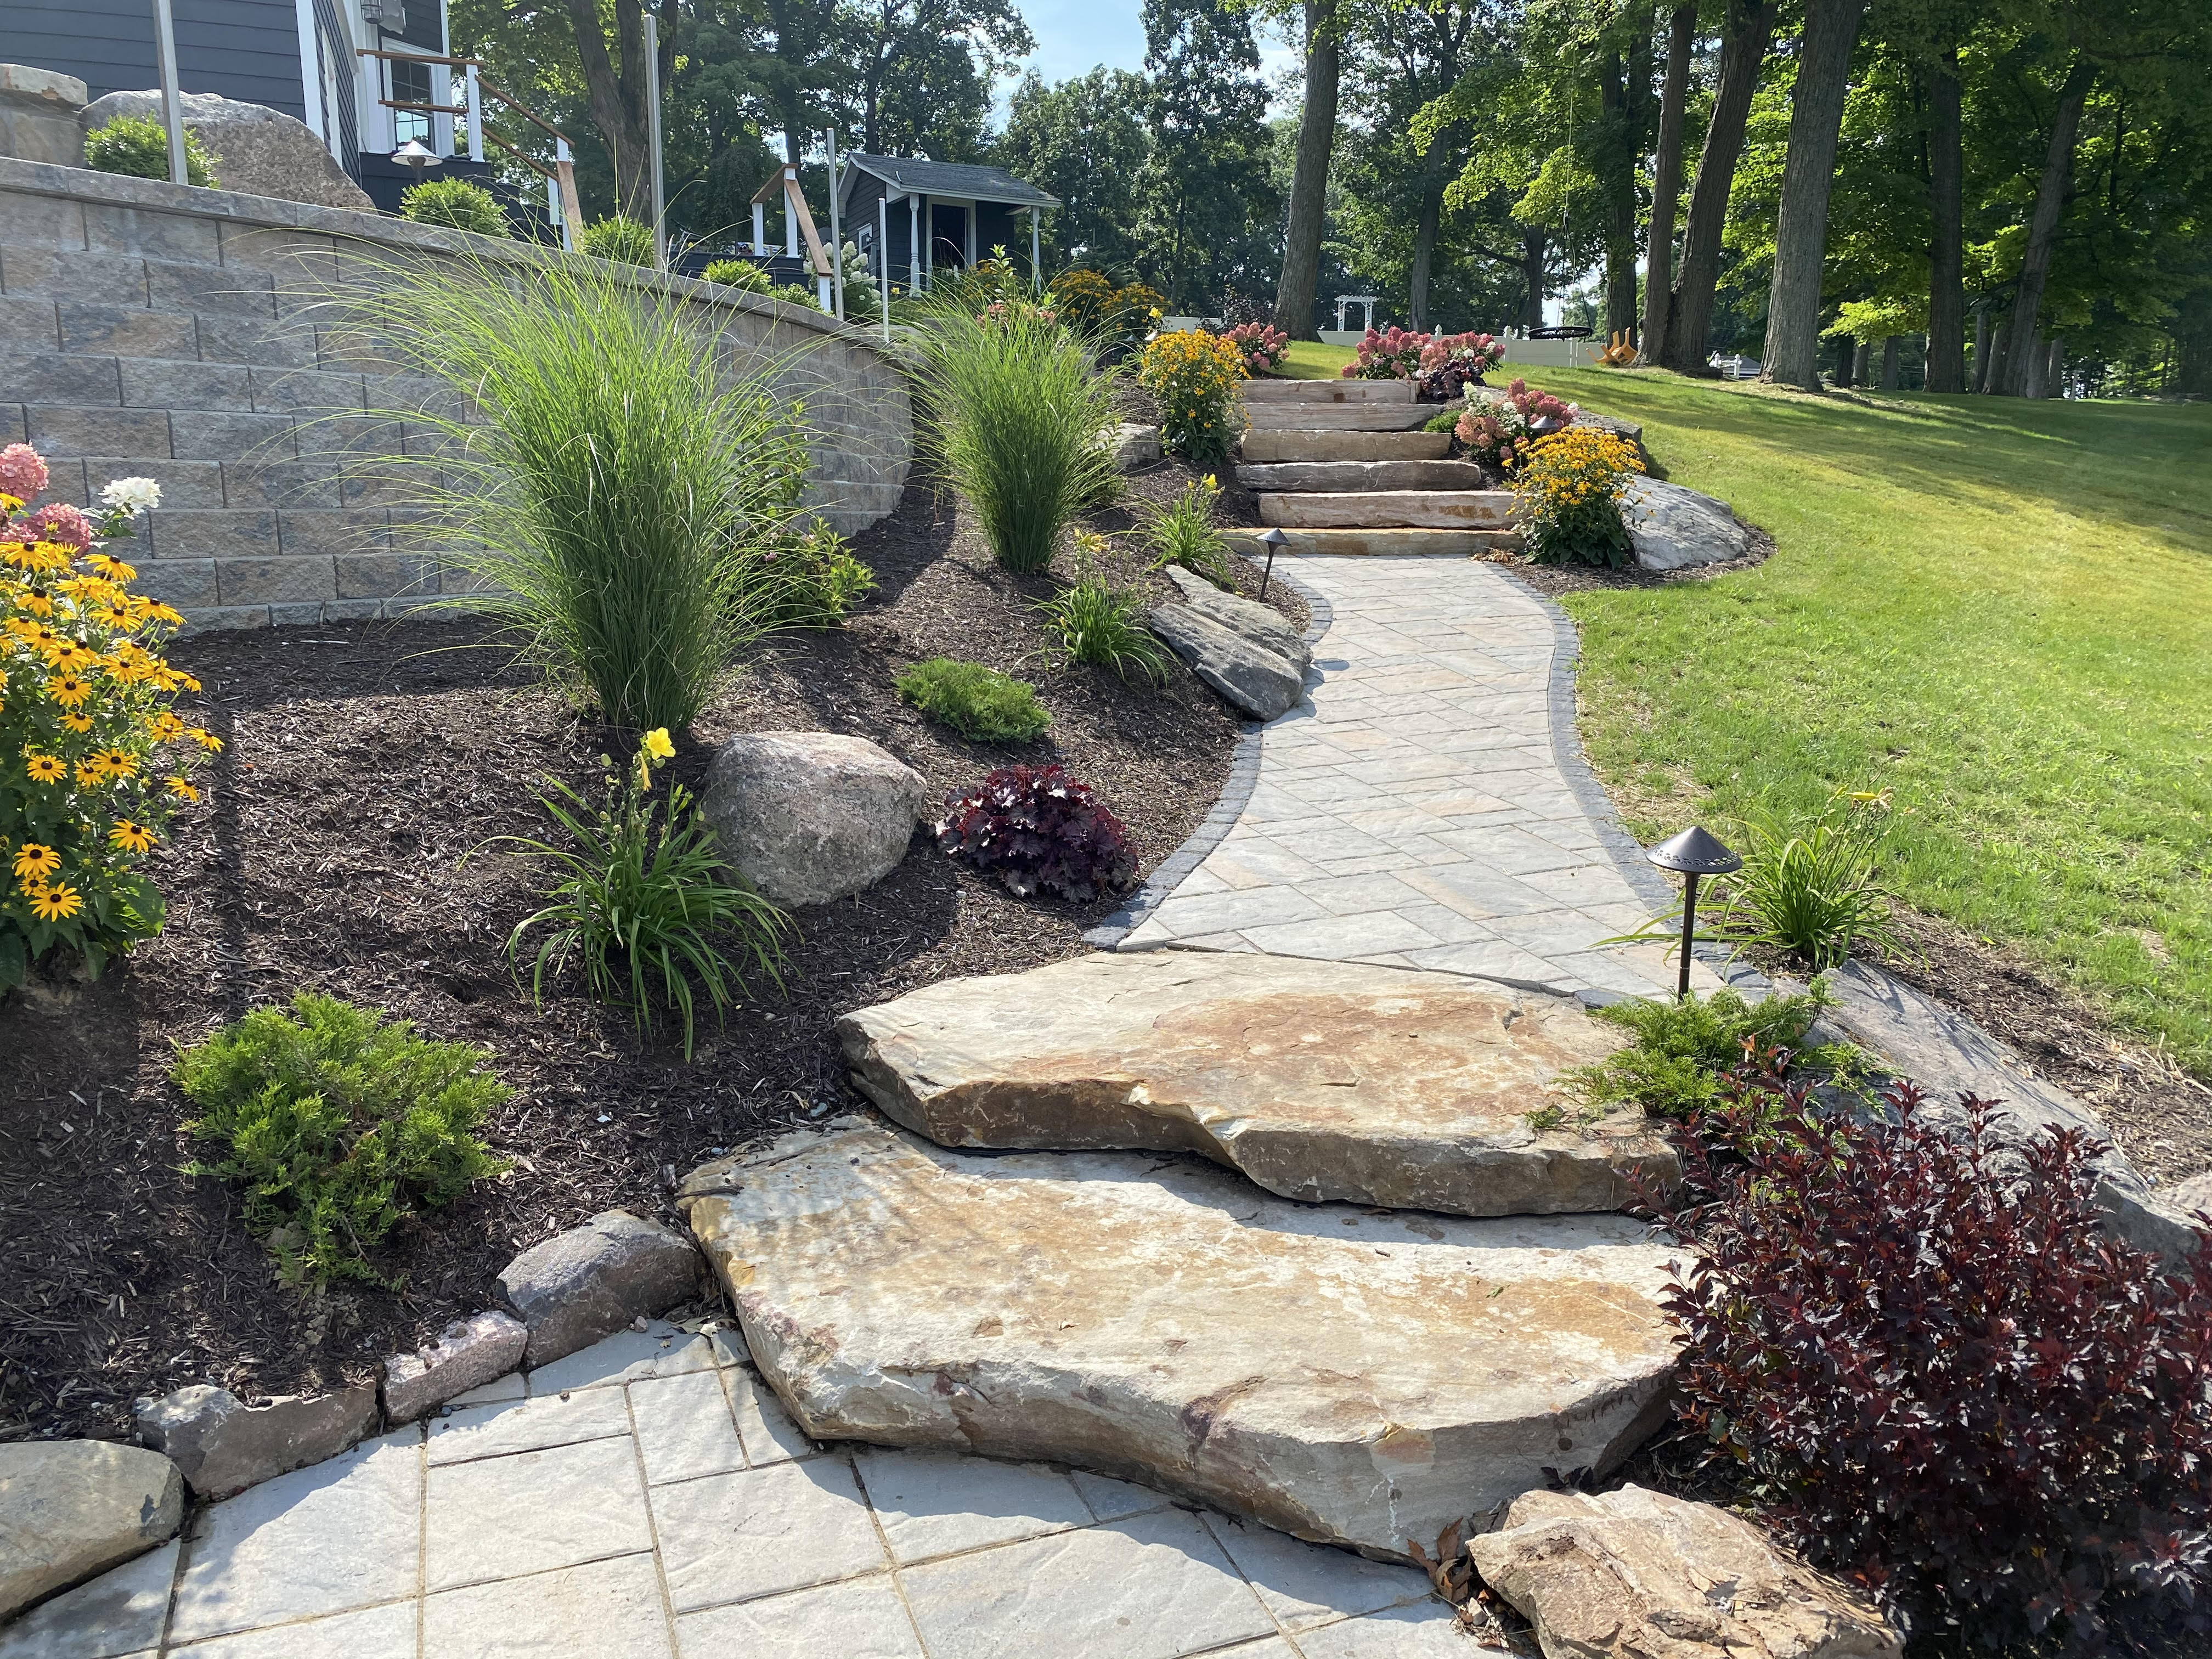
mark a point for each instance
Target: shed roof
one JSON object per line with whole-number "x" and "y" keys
{"x": 960, "y": 179}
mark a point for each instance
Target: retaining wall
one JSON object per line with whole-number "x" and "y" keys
{"x": 182, "y": 334}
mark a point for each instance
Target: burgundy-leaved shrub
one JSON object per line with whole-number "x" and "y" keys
{"x": 1035, "y": 826}
{"x": 1941, "y": 1376}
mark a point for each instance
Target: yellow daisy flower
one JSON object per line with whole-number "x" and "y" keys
{"x": 34, "y": 861}
{"x": 77, "y": 723}
{"x": 206, "y": 740}
{"x": 45, "y": 769}
{"x": 69, "y": 689}
{"x": 130, "y": 835}
{"x": 56, "y": 904}
{"x": 181, "y": 789}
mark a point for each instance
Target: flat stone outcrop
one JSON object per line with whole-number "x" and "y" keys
{"x": 809, "y": 816}
{"x": 1319, "y": 1080}
{"x": 1346, "y": 1376}
{"x": 1639, "y": 1575}
{"x": 69, "y": 1509}
{"x": 593, "y": 1280}
{"x": 1266, "y": 627}
{"x": 1391, "y": 509}
{"x": 1250, "y": 676}
{"x": 1672, "y": 528}
{"x": 222, "y": 1445}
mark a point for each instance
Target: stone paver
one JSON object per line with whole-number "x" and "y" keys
{"x": 648, "y": 1498}
{"x": 1414, "y": 811}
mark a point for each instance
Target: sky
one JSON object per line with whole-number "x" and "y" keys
{"x": 1075, "y": 37}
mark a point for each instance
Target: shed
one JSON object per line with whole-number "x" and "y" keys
{"x": 910, "y": 216}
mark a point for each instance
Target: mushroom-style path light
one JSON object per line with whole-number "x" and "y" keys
{"x": 415, "y": 156}
{"x": 1693, "y": 854}
{"x": 1274, "y": 541}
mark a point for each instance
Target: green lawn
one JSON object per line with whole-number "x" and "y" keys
{"x": 1309, "y": 359}
{"x": 2001, "y": 611}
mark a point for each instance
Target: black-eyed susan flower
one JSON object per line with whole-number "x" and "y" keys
{"x": 206, "y": 740}
{"x": 45, "y": 769}
{"x": 69, "y": 689}
{"x": 88, "y": 776}
{"x": 35, "y": 861}
{"x": 76, "y": 723}
{"x": 181, "y": 789}
{"x": 130, "y": 835}
{"x": 166, "y": 727}
{"x": 117, "y": 762}
{"x": 56, "y": 904}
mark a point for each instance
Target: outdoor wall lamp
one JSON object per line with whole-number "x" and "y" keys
{"x": 1274, "y": 541}
{"x": 1693, "y": 854}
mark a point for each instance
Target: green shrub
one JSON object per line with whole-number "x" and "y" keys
{"x": 641, "y": 896}
{"x": 1099, "y": 623}
{"x": 1683, "y": 1050}
{"x": 455, "y": 204}
{"x": 138, "y": 146}
{"x": 1014, "y": 404}
{"x": 1444, "y": 420}
{"x": 738, "y": 273}
{"x": 629, "y": 473}
{"x": 977, "y": 701}
{"x": 797, "y": 293}
{"x": 1808, "y": 887}
{"x": 811, "y": 580}
{"x": 334, "y": 1120}
{"x": 1182, "y": 532}
{"x": 620, "y": 239}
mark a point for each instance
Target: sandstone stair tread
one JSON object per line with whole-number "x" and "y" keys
{"x": 1390, "y": 509}
{"x": 1275, "y": 445}
{"x": 1330, "y": 417}
{"x": 1349, "y": 1376}
{"x": 1344, "y": 476}
{"x": 1338, "y": 390}
{"x": 1397, "y": 542}
{"x": 1318, "y": 1080}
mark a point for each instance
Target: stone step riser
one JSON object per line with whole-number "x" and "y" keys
{"x": 1339, "y": 477}
{"x": 1273, "y": 447}
{"x": 1337, "y": 417}
{"x": 1391, "y": 509}
{"x": 1378, "y": 543}
{"x": 1310, "y": 392}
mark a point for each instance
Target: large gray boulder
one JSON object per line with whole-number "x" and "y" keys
{"x": 593, "y": 1280}
{"x": 1255, "y": 679}
{"x": 1672, "y": 528}
{"x": 259, "y": 151}
{"x": 1948, "y": 1055}
{"x": 809, "y": 816}
{"x": 1317, "y": 1079}
{"x": 1633, "y": 1574}
{"x": 69, "y": 1509}
{"x": 39, "y": 115}
{"x": 1265, "y": 626}
{"x": 1347, "y": 1374}
{"x": 222, "y": 1445}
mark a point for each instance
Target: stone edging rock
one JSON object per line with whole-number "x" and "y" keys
{"x": 1228, "y": 806}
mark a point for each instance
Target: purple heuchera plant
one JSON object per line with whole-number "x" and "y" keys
{"x": 1035, "y": 826}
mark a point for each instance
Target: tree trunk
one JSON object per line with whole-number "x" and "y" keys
{"x": 1946, "y": 289}
{"x": 1743, "y": 49}
{"x": 617, "y": 98}
{"x": 1991, "y": 380}
{"x": 1294, "y": 295}
{"x": 2043, "y": 225}
{"x": 1667, "y": 186}
{"x": 1424, "y": 252}
{"x": 1624, "y": 96}
{"x": 1844, "y": 358}
{"x": 1533, "y": 248}
{"x": 2029, "y": 373}
{"x": 2054, "y": 373}
{"x": 1889, "y": 363}
{"x": 1792, "y": 356}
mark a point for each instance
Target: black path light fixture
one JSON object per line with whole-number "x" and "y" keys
{"x": 1693, "y": 854}
{"x": 1274, "y": 541}
{"x": 415, "y": 156}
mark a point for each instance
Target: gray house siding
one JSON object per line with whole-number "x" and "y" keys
{"x": 243, "y": 49}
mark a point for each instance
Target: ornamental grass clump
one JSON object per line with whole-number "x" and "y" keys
{"x": 1013, "y": 405}
{"x": 618, "y": 494}
{"x": 1102, "y": 622}
{"x": 1941, "y": 1375}
{"x": 641, "y": 900}
{"x": 1567, "y": 494}
{"x": 1034, "y": 827}
{"x": 337, "y": 1123}
{"x": 1194, "y": 378}
{"x": 979, "y": 703}
{"x": 94, "y": 758}
{"x": 1182, "y": 532}
{"x": 1809, "y": 886}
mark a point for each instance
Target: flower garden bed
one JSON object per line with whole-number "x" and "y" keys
{"x": 362, "y": 763}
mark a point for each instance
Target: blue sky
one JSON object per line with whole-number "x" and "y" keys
{"x": 1073, "y": 37}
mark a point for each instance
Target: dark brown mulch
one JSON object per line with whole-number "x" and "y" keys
{"x": 363, "y": 765}
{"x": 1553, "y": 580}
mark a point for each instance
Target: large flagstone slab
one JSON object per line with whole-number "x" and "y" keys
{"x": 1349, "y": 1375}
{"x": 1317, "y": 1079}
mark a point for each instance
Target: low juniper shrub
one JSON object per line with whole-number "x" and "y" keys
{"x": 1035, "y": 827}
{"x": 1685, "y": 1047}
{"x": 979, "y": 703}
{"x": 1939, "y": 1375}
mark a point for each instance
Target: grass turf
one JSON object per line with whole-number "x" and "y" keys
{"x": 1309, "y": 359}
{"x": 2001, "y": 611}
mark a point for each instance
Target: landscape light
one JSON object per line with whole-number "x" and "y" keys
{"x": 1693, "y": 854}
{"x": 1274, "y": 541}
{"x": 417, "y": 157}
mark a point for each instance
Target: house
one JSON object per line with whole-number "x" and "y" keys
{"x": 347, "y": 68}
{"x": 910, "y": 215}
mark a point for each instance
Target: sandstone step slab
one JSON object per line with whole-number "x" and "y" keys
{"x": 1275, "y": 445}
{"x": 1319, "y": 1080}
{"x": 1349, "y": 1376}
{"x": 1337, "y": 417}
{"x": 1338, "y": 390}
{"x": 1391, "y": 509}
{"x": 1342, "y": 476}
{"x": 1378, "y": 543}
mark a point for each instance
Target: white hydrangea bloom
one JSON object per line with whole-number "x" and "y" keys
{"x": 131, "y": 495}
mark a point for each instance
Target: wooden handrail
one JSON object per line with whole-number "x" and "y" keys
{"x": 420, "y": 57}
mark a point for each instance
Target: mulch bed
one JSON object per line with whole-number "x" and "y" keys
{"x": 362, "y": 766}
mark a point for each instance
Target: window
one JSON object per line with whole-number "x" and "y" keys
{"x": 410, "y": 84}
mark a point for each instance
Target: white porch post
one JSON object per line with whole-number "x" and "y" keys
{"x": 760, "y": 227}
{"x": 1036, "y": 259}
{"x": 475, "y": 115}
{"x": 914, "y": 244}
{"x": 928, "y": 242}
{"x": 971, "y": 235}
{"x": 790, "y": 218}
{"x": 884, "y": 259}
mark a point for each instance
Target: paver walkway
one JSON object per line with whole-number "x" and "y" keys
{"x": 648, "y": 1498}
{"x": 1416, "y": 810}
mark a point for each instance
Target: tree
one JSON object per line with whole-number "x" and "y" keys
{"x": 1086, "y": 142}
{"x": 927, "y": 70}
{"x": 619, "y": 93}
{"x": 1625, "y": 100}
{"x": 1947, "y": 289}
{"x": 1749, "y": 27}
{"x": 2015, "y": 371}
{"x": 1294, "y": 291}
{"x": 1801, "y": 233}
{"x": 1667, "y": 186}
{"x": 1208, "y": 204}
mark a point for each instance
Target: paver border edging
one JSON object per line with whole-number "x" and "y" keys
{"x": 1228, "y": 806}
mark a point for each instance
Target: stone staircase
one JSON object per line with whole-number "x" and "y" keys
{"x": 1343, "y": 466}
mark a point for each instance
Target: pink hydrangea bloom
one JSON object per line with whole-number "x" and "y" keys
{"x": 22, "y": 474}
{"x": 58, "y": 521}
